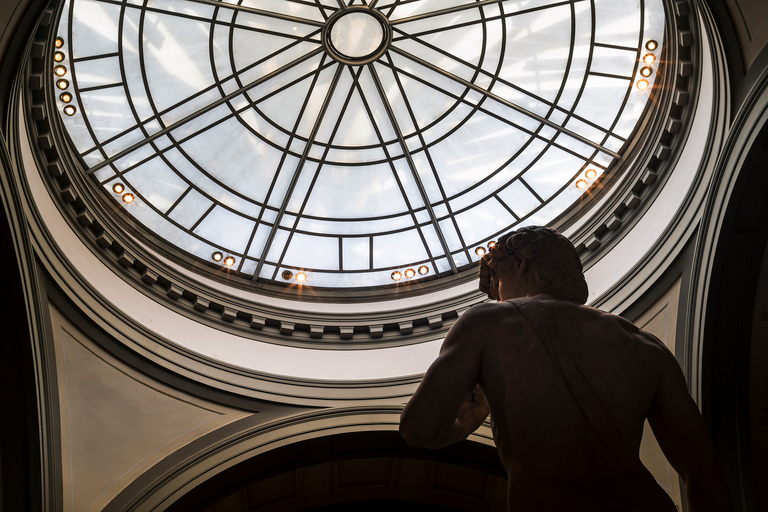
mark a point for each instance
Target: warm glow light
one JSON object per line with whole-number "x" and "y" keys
{"x": 229, "y": 261}
{"x": 66, "y": 97}
{"x": 59, "y": 42}
{"x": 118, "y": 188}
{"x": 480, "y": 251}
{"x": 642, "y": 85}
{"x": 591, "y": 174}
{"x": 491, "y": 245}
{"x": 62, "y": 84}
{"x": 649, "y": 58}
{"x": 301, "y": 277}
{"x": 217, "y": 256}
{"x": 423, "y": 270}
{"x": 397, "y": 275}
{"x": 410, "y": 273}
{"x": 651, "y": 45}
{"x": 581, "y": 184}
{"x": 58, "y": 56}
{"x": 646, "y": 71}
{"x": 128, "y": 198}
{"x": 70, "y": 110}
{"x": 60, "y": 70}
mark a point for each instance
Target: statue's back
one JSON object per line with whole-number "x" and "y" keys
{"x": 569, "y": 388}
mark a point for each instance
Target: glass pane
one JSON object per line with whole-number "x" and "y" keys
{"x": 369, "y": 154}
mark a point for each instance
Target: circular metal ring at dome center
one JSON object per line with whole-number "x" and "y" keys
{"x": 357, "y": 36}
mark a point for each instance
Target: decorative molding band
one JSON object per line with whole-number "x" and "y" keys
{"x": 109, "y": 235}
{"x": 655, "y": 156}
{"x": 45, "y": 403}
{"x": 46, "y": 257}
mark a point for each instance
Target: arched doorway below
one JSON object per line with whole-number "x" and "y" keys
{"x": 361, "y": 471}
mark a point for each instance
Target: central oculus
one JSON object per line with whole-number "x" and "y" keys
{"x": 357, "y": 36}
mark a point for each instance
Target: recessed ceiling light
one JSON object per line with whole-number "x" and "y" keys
{"x": 591, "y": 174}
{"x": 642, "y": 85}
{"x": 59, "y": 42}
{"x": 287, "y": 275}
{"x": 118, "y": 188}
{"x": 646, "y": 71}
{"x": 423, "y": 270}
{"x": 62, "y": 84}
{"x": 217, "y": 256}
{"x": 60, "y": 70}
{"x": 410, "y": 273}
{"x": 491, "y": 245}
{"x": 397, "y": 275}
{"x": 649, "y": 58}
{"x": 651, "y": 45}
{"x": 128, "y": 198}
{"x": 70, "y": 110}
{"x": 65, "y": 97}
{"x": 58, "y": 56}
{"x": 229, "y": 261}
{"x": 581, "y": 184}
{"x": 480, "y": 251}
{"x": 301, "y": 277}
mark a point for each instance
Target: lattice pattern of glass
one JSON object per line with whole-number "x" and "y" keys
{"x": 351, "y": 141}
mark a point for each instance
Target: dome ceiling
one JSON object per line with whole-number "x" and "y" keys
{"x": 354, "y": 145}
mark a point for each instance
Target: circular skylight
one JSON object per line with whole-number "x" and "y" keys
{"x": 356, "y": 36}
{"x": 351, "y": 144}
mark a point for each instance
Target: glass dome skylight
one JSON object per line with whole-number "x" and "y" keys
{"x": 350, "y": 142}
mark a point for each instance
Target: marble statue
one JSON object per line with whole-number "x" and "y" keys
{"x": 568, "y": 388}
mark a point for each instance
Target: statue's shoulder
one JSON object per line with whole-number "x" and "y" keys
{"x": 650, "y": 343}
{"x": 487, "y": 309}
{"x": 490, "y": 314}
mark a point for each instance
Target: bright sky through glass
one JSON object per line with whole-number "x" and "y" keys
{"x": 348, "y": 140}
{"x": 357, "y": 34}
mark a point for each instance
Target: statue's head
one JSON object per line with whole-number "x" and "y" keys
{"x": 549, "y": 260}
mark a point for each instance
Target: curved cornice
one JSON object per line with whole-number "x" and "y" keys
{"x": 46, "y": 406}
{"x": 400, "y": 323}
{"x": 93, "y": 218}
{"x": 651, "y": 158}
{"x": 163, "y": 351}
{"x": 684, "y": 223}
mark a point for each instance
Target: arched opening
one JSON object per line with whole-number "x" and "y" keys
{"x": 368, "y": 470}
{"x": 734, "y": 337}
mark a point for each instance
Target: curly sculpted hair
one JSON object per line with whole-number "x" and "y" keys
{"x": 551, "y": 260}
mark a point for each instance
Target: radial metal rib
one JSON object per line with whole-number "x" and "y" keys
{"x": 202, "y": 111}
{"x": 507, "y": 103}
{"x": 297, "y": 173}
{"x": 259, "y": 12}
{"x": 412, "y": 165}
{"x": 449, "y": 10}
